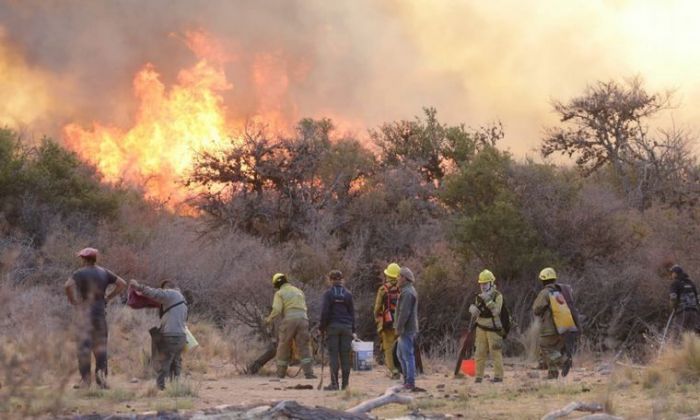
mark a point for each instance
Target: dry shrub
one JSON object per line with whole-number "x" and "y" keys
{"x": 129, "y": 340}
{"x": 37, "y": 353}
{"x": 678, "y": 364}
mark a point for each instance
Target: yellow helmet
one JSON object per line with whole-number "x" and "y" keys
{"x": 548, "y": 274}
{"x": 393, "y": 270}
{"x": 277, "y": 277}
{"x": 486, "y": 277}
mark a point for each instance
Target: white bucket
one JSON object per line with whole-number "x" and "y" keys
{"x": 363, "y": 354}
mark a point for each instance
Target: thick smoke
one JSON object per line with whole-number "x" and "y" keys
{"x": 361, "y": 62}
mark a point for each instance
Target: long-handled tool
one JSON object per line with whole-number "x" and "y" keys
{"x": 663, "y": 337}
{"x": 323, "y": 360}
{"x": 467, "y": 345}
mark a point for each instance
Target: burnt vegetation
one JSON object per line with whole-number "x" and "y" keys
{"x": 444, "y": 200}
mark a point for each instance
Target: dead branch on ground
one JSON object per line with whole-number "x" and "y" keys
{"x": 574, "y": 406}
{"x": 391, "y": 396}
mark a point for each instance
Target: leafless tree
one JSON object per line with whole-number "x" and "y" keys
{"x": 608, "y": 127}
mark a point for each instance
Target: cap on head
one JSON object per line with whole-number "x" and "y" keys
{"x": 335, "y": 275}
{"x": 548, "y": 274}
{"x": 407, "y": 274}
{"x": 88, "y": 253}
{"x": 486, "y": 276}
{"x": 167, "y": 284}
{"x": 676, "y": 269}
{"x": 392, "y": 271}
{"x": 278, "y": 278}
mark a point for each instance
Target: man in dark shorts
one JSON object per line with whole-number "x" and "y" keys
{"x": 87, "y": 290}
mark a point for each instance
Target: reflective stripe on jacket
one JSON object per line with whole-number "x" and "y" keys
{"x": 289, "y": 302}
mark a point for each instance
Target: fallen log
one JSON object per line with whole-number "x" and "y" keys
{"x": 268, "y": 355}
{"x": 391, "y": 396}
{"x": 600, "y": 416}
{"x": 574, "y": 406}
{"x": 294, "y": 410}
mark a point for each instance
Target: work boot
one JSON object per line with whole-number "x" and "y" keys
{"x": 496, "y": 380}
{"x": 553, "y": 374}
{"x": 331, "y": 387}
{"x": 478, "y": 380}
{"x": 566, "y": 367}
{"x": 101, "y": 379}
{"x": 395, "y": 375}
{"x": 281, "y": 371}
{"x": 83, "y": 384}
{"x": 309, "y": 371}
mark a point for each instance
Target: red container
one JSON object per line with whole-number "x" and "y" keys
{"x": 468, "y": 367}
{"x": 136, "y": 300}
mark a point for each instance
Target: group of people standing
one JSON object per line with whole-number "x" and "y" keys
{"x": 397, "y": 304}
{"x": 395, "y": 313}
{"x": 556, "y": 345}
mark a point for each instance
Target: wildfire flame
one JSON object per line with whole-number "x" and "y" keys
{"x": 171, "y": 126}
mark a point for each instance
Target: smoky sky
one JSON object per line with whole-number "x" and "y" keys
{"x": 364, "y": 62}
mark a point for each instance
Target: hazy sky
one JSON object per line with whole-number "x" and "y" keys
{"x": 360, "y": 61}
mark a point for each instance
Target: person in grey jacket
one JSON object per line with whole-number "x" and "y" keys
{"x": 407, "y": 327}
{"x": 173, "y": 318}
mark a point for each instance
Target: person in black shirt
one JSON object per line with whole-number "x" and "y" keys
{"x": 338, "y": 325}
{"x": 684, "y": 302}
{"x": 86, "y": 289}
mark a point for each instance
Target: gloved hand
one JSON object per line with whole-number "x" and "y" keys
{"x": 474, "y": 310}
{"x": 486, "y": 296}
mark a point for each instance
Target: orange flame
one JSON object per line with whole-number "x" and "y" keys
{"x": 171, "y": 126}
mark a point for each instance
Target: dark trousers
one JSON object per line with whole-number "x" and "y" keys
{"x": 339, "y": 341}
{"x": 93, "y": 340}
{"x": 170, "y": 357}
{"x": 686, "y": 321}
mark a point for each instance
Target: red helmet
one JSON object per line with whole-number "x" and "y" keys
{"x": 88, "y": 253}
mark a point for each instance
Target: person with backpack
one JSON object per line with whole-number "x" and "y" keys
{"x": 172, "y": 335}
{"x": 489, "y": 327}
{"x": 338, "y": 326}
{"x": 86, "y": 289}
{"x": 384, "y": 311}
{"x": 559, "y": 323}
{"x": 684, "y": 302}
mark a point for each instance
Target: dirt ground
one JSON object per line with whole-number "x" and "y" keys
{"x": 525, "y": 394}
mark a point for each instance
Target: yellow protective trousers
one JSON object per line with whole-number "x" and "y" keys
{"x": 488, "y": 342}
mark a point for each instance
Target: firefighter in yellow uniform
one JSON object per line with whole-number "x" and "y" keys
{"x": 552, "y": 344}
{"x": 489, "y": 330}
{"x": 289, "y": 302}
{"x": 384, "y": 313}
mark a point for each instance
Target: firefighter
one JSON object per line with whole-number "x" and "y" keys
{"x": 489, "y": 328}
{"x": 555, "y": 334}
{"x": 684, "y": 302}
{"x": 289, "y": 302}
{"x": 384, "y": 312}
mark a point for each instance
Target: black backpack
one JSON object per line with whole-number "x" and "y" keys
{"x": 506, "y": 320}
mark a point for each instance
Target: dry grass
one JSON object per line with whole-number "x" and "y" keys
{"x": 679, "y": 364}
